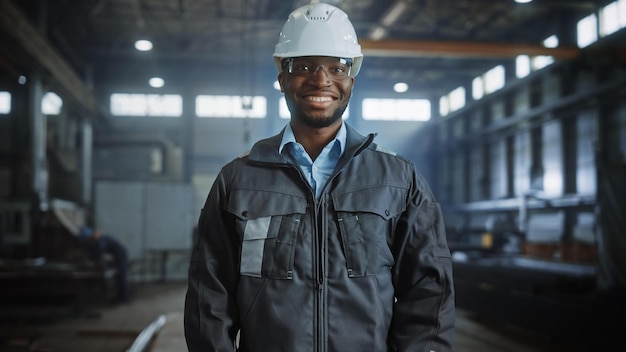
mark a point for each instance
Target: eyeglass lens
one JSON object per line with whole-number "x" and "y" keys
{"x": 336, "y": 68}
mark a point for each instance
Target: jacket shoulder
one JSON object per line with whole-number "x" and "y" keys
{"x": 379, "y": 148}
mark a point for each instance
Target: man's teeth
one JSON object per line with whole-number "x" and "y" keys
{"x": 318, "y": 99}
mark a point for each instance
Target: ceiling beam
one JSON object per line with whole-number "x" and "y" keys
{"x": 416, "y": 48}
{"x": 17, "y": 25}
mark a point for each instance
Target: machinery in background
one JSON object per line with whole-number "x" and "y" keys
{"x": 44, "y": 266}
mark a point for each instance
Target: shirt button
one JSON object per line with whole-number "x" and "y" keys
{"x": 245, "y": 213}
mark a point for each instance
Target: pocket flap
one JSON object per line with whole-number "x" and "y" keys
{"x": 251, "y": 204}
{"x": 385, "y": 201}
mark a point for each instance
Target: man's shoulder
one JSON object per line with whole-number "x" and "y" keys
{"x": 379, "y": 148}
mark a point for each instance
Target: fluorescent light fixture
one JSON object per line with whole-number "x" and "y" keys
{"x": 523, "y": 1}
{"x": 143, "y": 45}
{"x": 400, "y": 87}
{"x": 393, "y": 14}
{"x": 156, "y": 82}
{"x": 378, "y": 33}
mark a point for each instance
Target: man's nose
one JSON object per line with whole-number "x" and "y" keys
{"x": 320, "y": 74}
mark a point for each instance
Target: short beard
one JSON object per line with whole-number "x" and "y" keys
{"x": 299, "y": 116}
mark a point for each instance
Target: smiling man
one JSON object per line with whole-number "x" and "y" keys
{"x": 319, "y": 239}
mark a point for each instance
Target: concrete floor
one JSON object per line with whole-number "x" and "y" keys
{"x": 114, "y": 328}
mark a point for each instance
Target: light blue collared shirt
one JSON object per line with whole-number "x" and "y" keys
{"x": 316, "y": 172}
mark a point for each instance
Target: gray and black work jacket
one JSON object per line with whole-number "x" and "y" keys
{"x": 364, "y": 268}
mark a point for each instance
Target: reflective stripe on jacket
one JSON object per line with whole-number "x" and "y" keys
{"x": 365, "y": 268}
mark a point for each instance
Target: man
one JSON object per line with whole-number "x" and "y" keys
{"x": 98, "y": 244}
{"x": 319, "y": 239}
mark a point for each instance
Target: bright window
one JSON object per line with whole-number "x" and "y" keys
{"x": 457, "y": 99}
{"x": 444, "y": 105}
{"x": 541, "y": 61}
{"x": 51, "y": 104}
{"x": 587, "y": 30}
{"x": 478, "y": 88}
{"x": 5, "y": 102}
{"x": 453, "y": 101}
{"x": 494, "y": 79}
{"x": 146, "y": 105}
{"x": 231, "y": 106}
{"x": 396, "y": 109}
{"x": 522, "y": 66}
{"x": 525, "y": 64}
{"x": 610, "y": 19}
{"x": 551, "y": 42}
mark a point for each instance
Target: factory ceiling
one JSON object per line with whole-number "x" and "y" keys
{"x": 434, "y": 45}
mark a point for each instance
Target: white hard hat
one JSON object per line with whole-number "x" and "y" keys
{"x": 318, "y": 30}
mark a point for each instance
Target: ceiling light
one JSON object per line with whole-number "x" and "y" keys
{"x": 523, "y": 1}
{"x": 394, "y": 13}
{"x": 400, "y": 87}
{"x": 156, "y": 82}
{"x": 143, "y": 45}
{"x": 378, "y": 33}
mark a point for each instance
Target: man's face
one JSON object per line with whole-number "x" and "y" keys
{"x": 317, "y": 89}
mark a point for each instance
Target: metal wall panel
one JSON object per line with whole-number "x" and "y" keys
{"x": 146, "y": 216}
{"x": 477, "y": 177}
{"x": 119, "y": 212}
{"x": 497, "y": 169}
{"x": 587, "y": 130}
{"x": 458, "y": 177}
{"x": 522, "y": 163}
{"x": 553, "y": 180}
{"x": 168, "y": 216}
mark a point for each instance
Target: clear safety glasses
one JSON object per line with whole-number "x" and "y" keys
{"x": 335, "y": 68}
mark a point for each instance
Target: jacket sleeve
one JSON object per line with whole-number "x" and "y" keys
{"x": 211, "y": 316}
{"x": 424, "y": 313}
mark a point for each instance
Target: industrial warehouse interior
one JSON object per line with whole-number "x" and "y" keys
{"x": 121, "y": 114}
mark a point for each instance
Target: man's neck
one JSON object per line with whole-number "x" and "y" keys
{"x": 314, "y": 139}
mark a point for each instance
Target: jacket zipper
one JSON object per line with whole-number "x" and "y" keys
{"x": 319, "y": 251}
{"x": 320, "y": 255}
{"x": 319, "y": 247}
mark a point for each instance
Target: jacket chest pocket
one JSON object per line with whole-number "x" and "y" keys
{"x": 267, "y": 223}
{"x": 366, "y": 220}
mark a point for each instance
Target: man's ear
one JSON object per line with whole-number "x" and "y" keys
{"x": 280, "y": 81}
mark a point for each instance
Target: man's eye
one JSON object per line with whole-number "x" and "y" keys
{"x": 338, "y": 69}
{"x": 302, "y": 68}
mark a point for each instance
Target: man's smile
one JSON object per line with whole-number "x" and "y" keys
{"x": 318, "y": 99}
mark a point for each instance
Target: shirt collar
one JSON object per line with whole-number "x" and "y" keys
{"x": 289, "y": 137}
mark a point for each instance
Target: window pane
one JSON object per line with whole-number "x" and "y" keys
{"x": 396, "y": 109}
{"x": 522, "y": 66}
{"x": 146, "y": 105}
{"x": 231, "y": 106}
{"x": 477, "y": 88}
{"x": 551, "y": 42}
{"x": 457, "y": 99}
{"x": 494, "y": 79}
{"x": 609, "y": 19}
{"x": 542, "y": 61}
{"x": 587, "y": 31}
{"x": 51, "y": 104}
{"x": 444, "y": 106}
{"x": 5, "y": 102}
{"x": 622, "y": 13}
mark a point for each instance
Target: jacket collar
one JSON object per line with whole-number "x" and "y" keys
{"x": 266, "y": 150}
